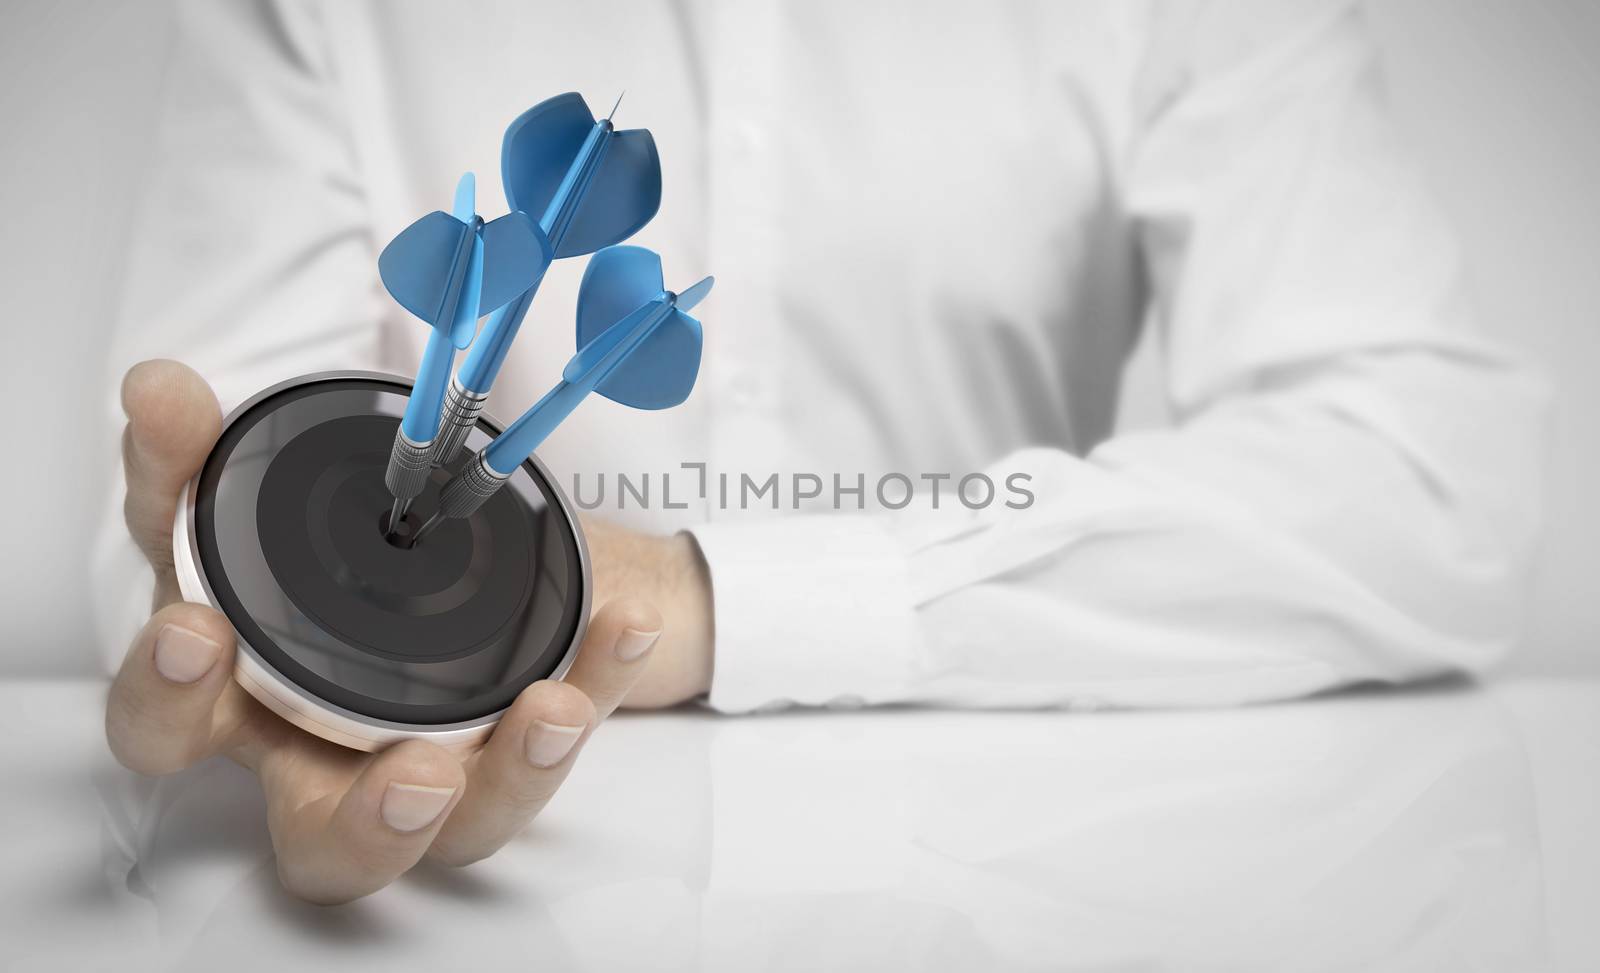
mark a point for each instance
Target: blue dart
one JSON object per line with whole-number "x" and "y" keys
{"x": 448, "y": 269}
{"x": 591, "y": 187}
{"x": 637, "y": 345}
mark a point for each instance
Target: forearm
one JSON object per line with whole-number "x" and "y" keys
{"x": 1368, "y": 520}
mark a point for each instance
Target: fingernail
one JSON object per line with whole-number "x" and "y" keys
{"x": 183, "y": 656}
{"x": 412, "y": 807}
{"x": 632, "y": 644}
{"x": 549, "y": 743}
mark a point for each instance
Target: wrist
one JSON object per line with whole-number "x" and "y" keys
{"x": 693, "y": 610}
{"x": 670, "y": 573}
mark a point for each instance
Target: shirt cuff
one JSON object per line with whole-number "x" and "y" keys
{"x": 808, "y": 609}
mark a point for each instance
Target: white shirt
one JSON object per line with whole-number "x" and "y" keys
{"x": 937, "y": 231}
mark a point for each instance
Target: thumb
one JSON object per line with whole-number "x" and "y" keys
{"x": 173, "y": 421}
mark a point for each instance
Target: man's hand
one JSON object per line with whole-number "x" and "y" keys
{"x": 669, "y": 573}
{"x": 344, "y": 824}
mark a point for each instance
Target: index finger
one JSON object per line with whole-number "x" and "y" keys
{"x": 173, "y": 421}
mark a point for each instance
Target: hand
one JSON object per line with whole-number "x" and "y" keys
{"x": 344, "y": 824}
{"x": 670, "y": 573}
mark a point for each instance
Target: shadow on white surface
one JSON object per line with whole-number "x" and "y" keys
{"x": 1379, "y": 830}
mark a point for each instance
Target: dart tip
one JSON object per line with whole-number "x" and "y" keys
{"x": 427, "y": 528}
{"x": 612, "y": 113}
{"x": 397, "y": 514}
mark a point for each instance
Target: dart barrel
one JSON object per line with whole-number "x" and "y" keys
{"x": 461, "y": 410}
{"x": 477, "y": 482}
{"x": 409, "y": 463}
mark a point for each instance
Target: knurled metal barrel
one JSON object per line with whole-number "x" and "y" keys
{"x": 408, "y": 467}
{"x": 461, "y": 409}
{"x": 464, "y": 494}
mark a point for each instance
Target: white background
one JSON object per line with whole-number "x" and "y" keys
{"x": 1499, "y": 97}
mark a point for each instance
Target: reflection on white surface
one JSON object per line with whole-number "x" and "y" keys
{"x": 1372, "y": 831}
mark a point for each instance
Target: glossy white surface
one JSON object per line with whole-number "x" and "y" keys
{"x": 1443, "y": 829}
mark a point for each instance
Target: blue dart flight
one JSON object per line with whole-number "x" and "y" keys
{"x": 590, "y": 187}
{"x": 448, "y": 269}
{"x": 637, "y": 345}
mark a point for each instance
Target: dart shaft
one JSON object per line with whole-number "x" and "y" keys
{"x": 421, "y": 419}
{"x": 522, "y": 437}
{"x": 488, "y": 471}
{"x": 586, "y": 370}
{"x": 488, "y": 353}
{"x": 410, "y": 457}
{"x": 563, "y": 206}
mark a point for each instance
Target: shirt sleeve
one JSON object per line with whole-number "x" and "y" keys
{"x": 1349, "y": 489}
{"x": 251, "y": 253}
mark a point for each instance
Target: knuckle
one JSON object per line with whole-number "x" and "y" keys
{"x": 417, "y": 761}
{"x": 634, "y": 613}
{"x": 202, "y": 619}
{"x": 558, "y": 702}
{"x": 517, "y": 793}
